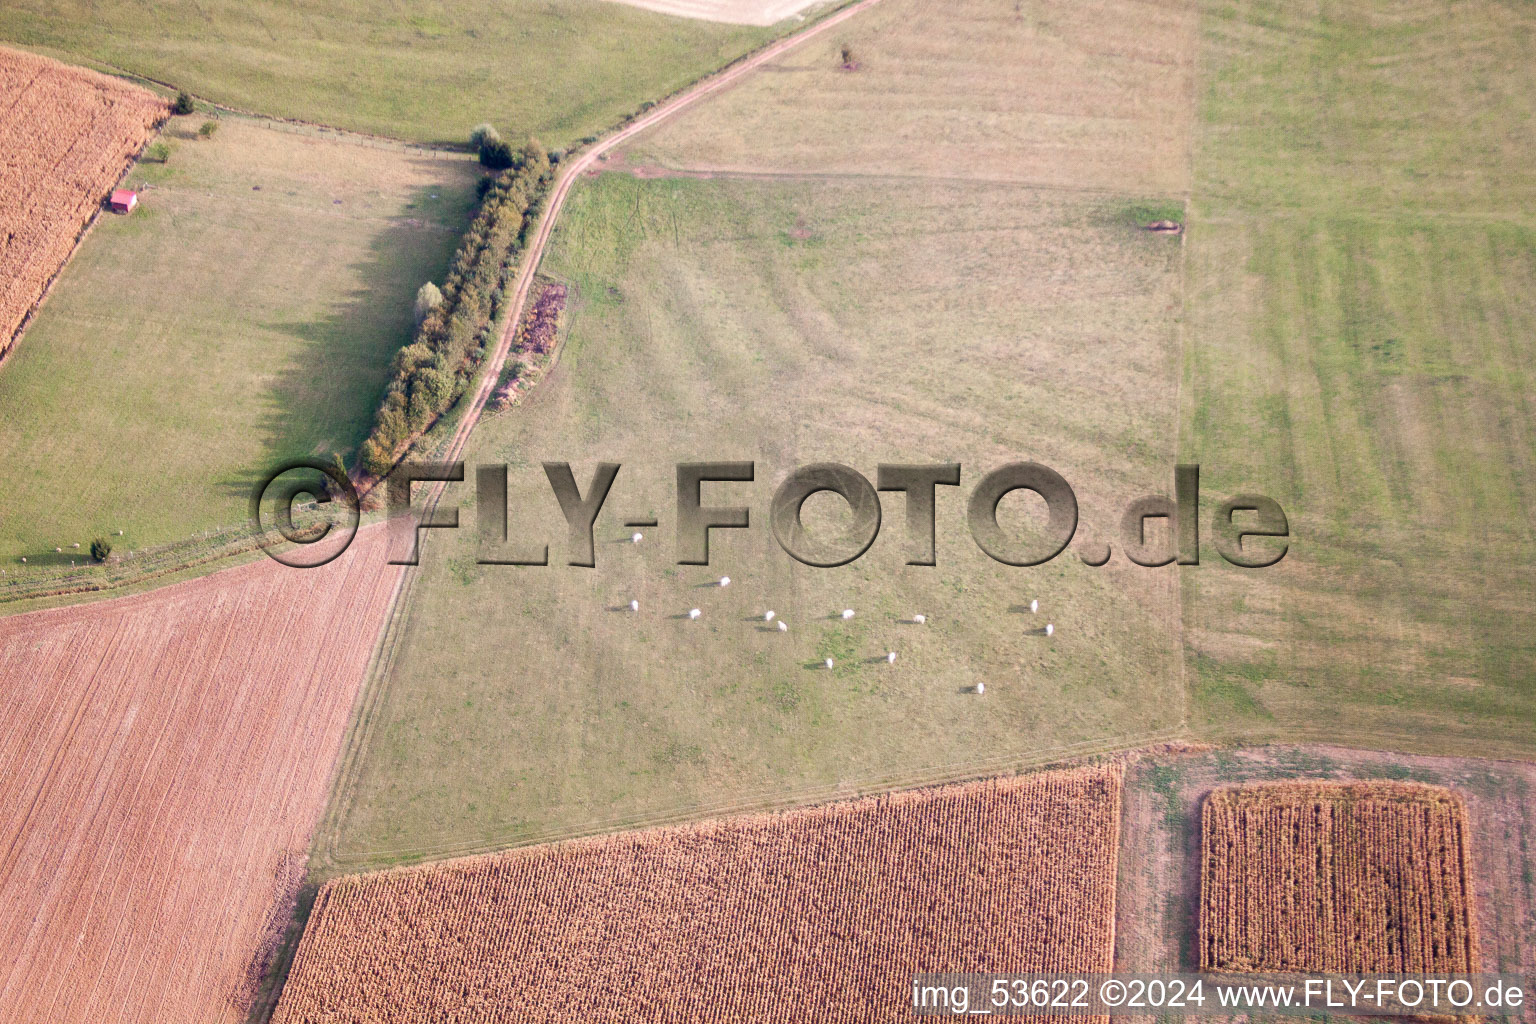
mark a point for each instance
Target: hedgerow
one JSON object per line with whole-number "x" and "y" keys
{"x": 433, "y": 371}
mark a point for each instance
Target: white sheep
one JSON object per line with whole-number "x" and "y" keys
{"x": 890, "y": 657}
{"x": 981, "y": 687}
{"x": 694, "y": 613}
{"x": 725, "y": 581}
{"x": 919, "y": 619}
{"x": 58, "y": 551}
{"x": 119, "y": 533}
{"x": 847, "y": 613}
{"x": 634, "y": 606}
{"x": 636, "y": 538}
{"x": 1049, "y": 629}
{"x": 77, "y": 544}
{"x": 768, "y": 616}
{"x": 829, "y": 663}
{"x": 23, "y": 559}
{"x": 1034, "y": 606}
{"x": 783, "y": 626}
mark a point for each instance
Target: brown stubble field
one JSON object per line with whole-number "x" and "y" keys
{"x": 820, "y": 914}
{"x": 1160, "y": 883}
{"x": 66, "y": 136}
{"x": 166, "y": 756}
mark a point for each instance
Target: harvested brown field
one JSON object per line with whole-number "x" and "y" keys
{"x": 166, "y": 757}
{"x": 67, "y": 135}
{"x": 818, "y": 914}
{"x": 1368, "y": 877}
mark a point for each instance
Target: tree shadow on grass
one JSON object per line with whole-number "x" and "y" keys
{"x": 325, "y": 390}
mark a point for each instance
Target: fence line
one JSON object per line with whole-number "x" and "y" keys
{"x": 27, "y": 582}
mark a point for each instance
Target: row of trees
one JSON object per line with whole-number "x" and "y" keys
{"x": 457, "y": 321}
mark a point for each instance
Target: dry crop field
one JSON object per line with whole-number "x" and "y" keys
{"x": 810, "y": 915}
{"x": 1339, "y": 877}
{"x": 66, "y": 135}
{"x": 166, "y": 756}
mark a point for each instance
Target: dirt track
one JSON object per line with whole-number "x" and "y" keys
{"x": 166, "y": 757}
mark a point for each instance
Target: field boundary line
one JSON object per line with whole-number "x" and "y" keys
{"x": 768, "y": 800}
{"x": 1182, "y": 334}
{"x": 571, "y": 170}
{"x": 883, "y": 178}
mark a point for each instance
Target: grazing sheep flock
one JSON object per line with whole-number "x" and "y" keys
{"x": 918, "y": 618}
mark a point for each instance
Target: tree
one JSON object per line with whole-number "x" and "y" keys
{"x": 208, "y": 128}
{"x": 428, "y": 298}
{"x": 849, "y": 57}
{"x": 101, "y": 547}
{"x": 183, "y": 104}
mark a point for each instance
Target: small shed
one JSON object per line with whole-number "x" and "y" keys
{"x": 123, "y": 200}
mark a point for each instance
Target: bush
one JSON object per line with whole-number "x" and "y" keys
{"x": 849, "y": 58}
{"x": 159, "y": 152}
{"x": 496, "y": 155}
{"x": 429, "y": 298}
{"x": 482, "y": 134}
{"x": 183, "y": 104}
{"x": 375, "y": 458}
{"x": 208, "y": 128}
{"x": 339, "y": 466}
{"x": 101, "y": 547}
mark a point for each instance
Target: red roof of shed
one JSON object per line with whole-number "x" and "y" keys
{"x": 123, "y": 196}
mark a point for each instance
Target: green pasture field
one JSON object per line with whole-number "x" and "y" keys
{"x": 1346, "y": 327}
{"x": 1082, "y": 97}
{"x": 555, "y": 69}
{"x": 244, "y": 314}
{"x": 785, "y": 323}
{"x": 1362, "y": 296}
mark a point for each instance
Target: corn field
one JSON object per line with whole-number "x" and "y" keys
{"x": 820, "y": 914}
{"x": 66, "y": 137}
{"x": 1367, "y": 878}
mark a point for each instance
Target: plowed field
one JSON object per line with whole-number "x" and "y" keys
{"x": 166, "y": 756}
